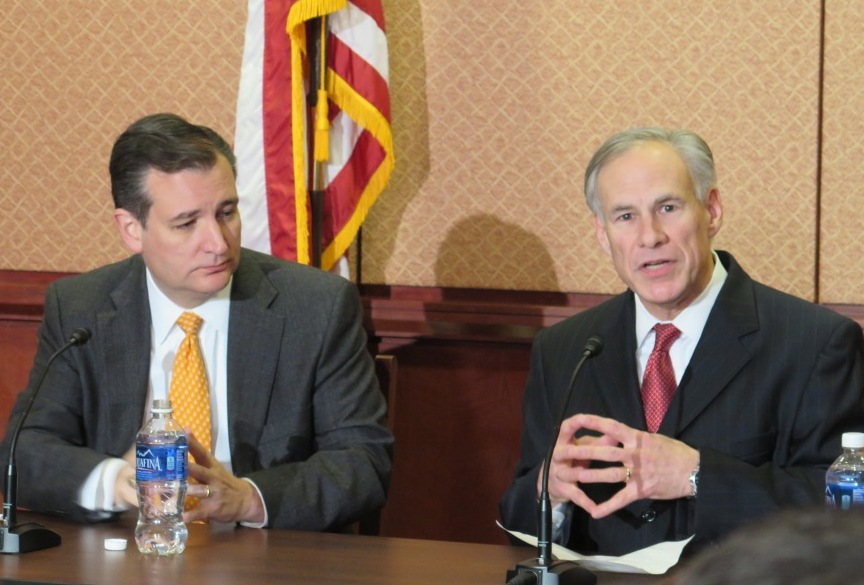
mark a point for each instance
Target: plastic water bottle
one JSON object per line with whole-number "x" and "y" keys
{"x": 161, "y": 453}
{"x": 844, "y": 481}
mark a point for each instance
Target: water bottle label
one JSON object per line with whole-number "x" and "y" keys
{"x": 160, "y": 462}
{"x": 843, "y": 497}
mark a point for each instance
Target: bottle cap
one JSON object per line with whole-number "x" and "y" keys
{"x": 115, "y": 544}
{"x": 853, "y": 440}
{"x": 161, "y": 406}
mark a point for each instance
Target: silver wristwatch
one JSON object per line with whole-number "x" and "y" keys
{"x": 694, "y": 481}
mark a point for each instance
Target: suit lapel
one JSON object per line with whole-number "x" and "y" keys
{"x": 124, "y": 333}
{"x": 255, "y": 334}
{"x": 720, "y": 354}
{"x": 614, "y": 370}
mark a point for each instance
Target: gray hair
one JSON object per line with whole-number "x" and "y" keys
{"x": 690, "y": 147}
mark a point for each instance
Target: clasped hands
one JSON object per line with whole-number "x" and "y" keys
{"x": 222, "y": 496}
{"x": 649, "y": 465}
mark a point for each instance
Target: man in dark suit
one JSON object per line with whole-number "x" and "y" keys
{"x": 764, "y": 383}
{"x": 297, "y": 418}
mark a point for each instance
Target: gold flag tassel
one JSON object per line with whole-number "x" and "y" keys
{"x": 322, "y": 113}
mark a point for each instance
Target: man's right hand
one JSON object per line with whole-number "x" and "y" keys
{"x": 125, "y": 493}
{"x": 562, "y": 486}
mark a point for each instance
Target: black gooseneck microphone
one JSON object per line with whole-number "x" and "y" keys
{"x": 19, "y": 538}
{"x": 544, "y": 569}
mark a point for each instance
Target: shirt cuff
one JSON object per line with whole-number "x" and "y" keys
{"x": 263, "y": 505}
{"x": 97, "y": 492}
{"x": 559, "y": 516}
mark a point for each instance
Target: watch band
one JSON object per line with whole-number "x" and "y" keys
{"x": 694, "y": 481}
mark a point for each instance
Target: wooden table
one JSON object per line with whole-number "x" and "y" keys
{"x": 229, "y": 555}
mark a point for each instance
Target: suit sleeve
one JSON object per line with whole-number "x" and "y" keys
{"x": 518, "y": 507}
{"x": 348, "y": 472}
{"x": 51, "y": 459}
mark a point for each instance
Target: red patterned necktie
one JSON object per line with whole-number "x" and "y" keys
{"x": 658, "y": 384}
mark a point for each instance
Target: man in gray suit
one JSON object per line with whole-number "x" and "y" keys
{"x": 297, "y": 418}
{"x": 762, "y": 384}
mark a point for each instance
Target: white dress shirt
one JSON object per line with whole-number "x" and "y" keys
{"x": 97, "y": 492}
{"x": 691, "y": 321}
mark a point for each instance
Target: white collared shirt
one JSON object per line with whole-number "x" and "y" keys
{"x": 166, "y": 336}
{"x": 97, "y": 492}
{"x": 691, "y": 321}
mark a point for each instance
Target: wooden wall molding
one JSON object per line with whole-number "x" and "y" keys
{"x": 399, "y": 311}
{"x": 22, "y": 293}
{"x": 411, "y": 313}
{"x": 404, "y": 312}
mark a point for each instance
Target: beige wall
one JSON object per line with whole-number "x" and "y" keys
{"x": 75, "y": 73}
{"x": 497, "y": 107}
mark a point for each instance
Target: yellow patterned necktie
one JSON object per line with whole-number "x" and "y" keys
{"x": 189, "y": 392}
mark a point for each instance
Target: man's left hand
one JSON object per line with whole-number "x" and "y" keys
{"x": 223, "y": 497}
{"x": 652, "y": 466}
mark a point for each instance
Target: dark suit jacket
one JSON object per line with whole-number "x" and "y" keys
{"x": 773, "y": 383}
{"x": 305, "y": 413}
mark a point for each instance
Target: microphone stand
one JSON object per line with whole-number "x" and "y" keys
{"x": 545, "y": 569}
{"x": 28, "y": 536}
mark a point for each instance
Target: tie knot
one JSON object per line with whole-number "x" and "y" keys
{"x": 190, "y": 323}
{"x": 666, "y": 334}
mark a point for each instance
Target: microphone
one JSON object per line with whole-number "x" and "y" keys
{"x": 544, "y": 569}
{"x": 29, "y": 536}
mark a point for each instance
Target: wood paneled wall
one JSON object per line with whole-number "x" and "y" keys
{"x": 22, "y": 297}
{"x": 463, "y": 358}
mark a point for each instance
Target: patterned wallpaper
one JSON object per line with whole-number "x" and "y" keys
{"x": 497, "y": 106}
{"x": 75, "y": 74}
{"x": 841, "y": 266}
{"x": 497, "y": 112}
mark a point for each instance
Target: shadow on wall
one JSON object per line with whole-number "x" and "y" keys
{"x": 495, "y": 247}
{"x": 462, "y": 372}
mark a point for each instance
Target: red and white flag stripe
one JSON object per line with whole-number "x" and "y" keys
{"x": 271, "y": 139}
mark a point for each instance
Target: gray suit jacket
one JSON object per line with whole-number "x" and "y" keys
{"x": 773, "y": 383}
{"x": 305, "y": 413}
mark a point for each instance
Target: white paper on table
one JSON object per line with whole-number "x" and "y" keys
{"x": 654, "y": 560}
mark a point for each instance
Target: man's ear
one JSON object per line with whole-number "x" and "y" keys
{"x": 130, "y": 229}
{"x": 715, "y": 211}
{"x": 602, "y": 236}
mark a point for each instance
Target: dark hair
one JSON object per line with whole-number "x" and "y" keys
{"x": 812, "y": 546}
{"x": 165, "y": 142}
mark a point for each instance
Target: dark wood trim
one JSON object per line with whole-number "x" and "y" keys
{"x": 467, "y": 314}
{"x": 483, "y": 314}
{"x": 399, "y": 311}
{"x": 22, "y": 293}
{"x": 854, "y": 312}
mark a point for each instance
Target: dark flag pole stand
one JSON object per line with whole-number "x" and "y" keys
{"x": 316, "y": 100}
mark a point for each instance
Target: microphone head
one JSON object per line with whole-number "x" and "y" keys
{"x": 80, "y": 336}
{"x": 593, "y": 346}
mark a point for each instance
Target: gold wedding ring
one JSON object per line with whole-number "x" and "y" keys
{"x": 207, "y": 493}
{"x": 629, "y": 474}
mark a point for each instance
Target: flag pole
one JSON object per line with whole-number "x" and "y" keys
{"x": 317, "y": 102}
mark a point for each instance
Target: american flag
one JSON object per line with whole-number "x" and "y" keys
{"x": 274, "y": 124}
